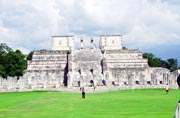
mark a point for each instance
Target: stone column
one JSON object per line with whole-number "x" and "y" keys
{"x": 45, "y": 82}
{"x": 69, "y": 79}
{"x": 81, "y": 44}
{"x": 92, "y": 45}
{"x": 81, "y": 79}
{"x": 29, "y": 83}
{"x": 107, "y": 78}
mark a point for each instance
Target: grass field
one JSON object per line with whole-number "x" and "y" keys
{"x": 148, "y": 103}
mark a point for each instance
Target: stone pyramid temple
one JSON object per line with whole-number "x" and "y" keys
{"x": 108, "y": 67}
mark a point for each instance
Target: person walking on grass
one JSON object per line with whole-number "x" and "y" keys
{"x": 83, "y": 92}
{"x": 167, "y": 89}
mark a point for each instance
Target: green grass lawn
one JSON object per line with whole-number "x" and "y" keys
{"x": 148, "y": 103}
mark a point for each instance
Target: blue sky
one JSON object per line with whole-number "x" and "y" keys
{"x": 150, "y": 25}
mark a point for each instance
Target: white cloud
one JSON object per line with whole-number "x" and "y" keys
{"x": 144, "y": 22}
{"x": 30, "y": 24}
{"x": 8, "y": 35}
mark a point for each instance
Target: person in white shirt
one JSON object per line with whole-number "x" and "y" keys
{"x": 167, "y": 89}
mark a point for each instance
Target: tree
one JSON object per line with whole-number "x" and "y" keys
{"x": 150, "y": 58}
{"x": 12, "y": 63}
{"x": 172, "y": 64}
{"x": 30, "y": 55}
{"x": 4, "y": 49}
{"x": 164, "y": 64}
{"x": 15, "y": 63}
{"x": 156, "y": 62}
{"x": 148, "y": 55}
{"x": 2, "y": 71}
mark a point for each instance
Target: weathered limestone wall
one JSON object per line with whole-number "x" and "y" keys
{"x": 159, "y": 75}
{"x": 49, "y": 69}
{"x": 48, "y": 60}
{"x": 13, "y": 84}
{"x": 87, "y": 67}
{"x": 107, "y": 68}
{"x": 125, "y": 59}
{"x": 124, "y": 67}
{"x": 63, "y": 43}
{"x": 110, "y": 42}
{"x": 173, "y": 77}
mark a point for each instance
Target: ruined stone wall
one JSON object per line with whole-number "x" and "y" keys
{"x": 125, "y": 59}
{"x": 124, "y": 66}
{"x": 13, "y": 84}
{"x": 173, "y": 77}
{"x": 110, "y": 42}
{"x": 87, "y": 68}
{"x": 109, "y": 67}
{"x": 159, "y": 75}
{"x": 63, "y": 43}
{"x": 49, "y": 69}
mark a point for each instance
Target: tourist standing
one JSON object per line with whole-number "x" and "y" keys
{"x": 83, "y": 92}
{"x": 167, "y": 88}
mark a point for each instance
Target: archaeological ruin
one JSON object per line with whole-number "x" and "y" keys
{"x": 109, "y": 67}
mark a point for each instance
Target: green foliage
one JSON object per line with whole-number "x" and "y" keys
{"x": 148, "y": 56}
{"x": 148, "y": 103}
{"x": 12, "y": 63}
{"x": 15, "y": 63}
{"x": 153, "y": 61}
{"x": 164, "y": 64}
{"x": 2, "y": 71}
{"x": 172, "y": 64}
{"x": 30, "y": 55}
{"x": 156, "y": 62}
{"x": 4, "y": 50}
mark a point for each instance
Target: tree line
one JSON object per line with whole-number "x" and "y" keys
{"x": 13, "y": 63}
{"x": 153, "y": 61}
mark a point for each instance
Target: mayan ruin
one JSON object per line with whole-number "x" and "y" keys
{"x": 109, "y": 67}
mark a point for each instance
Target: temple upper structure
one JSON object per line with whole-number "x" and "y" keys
{"x": 63, "y": 42}
{"x": 110, "y": 42}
